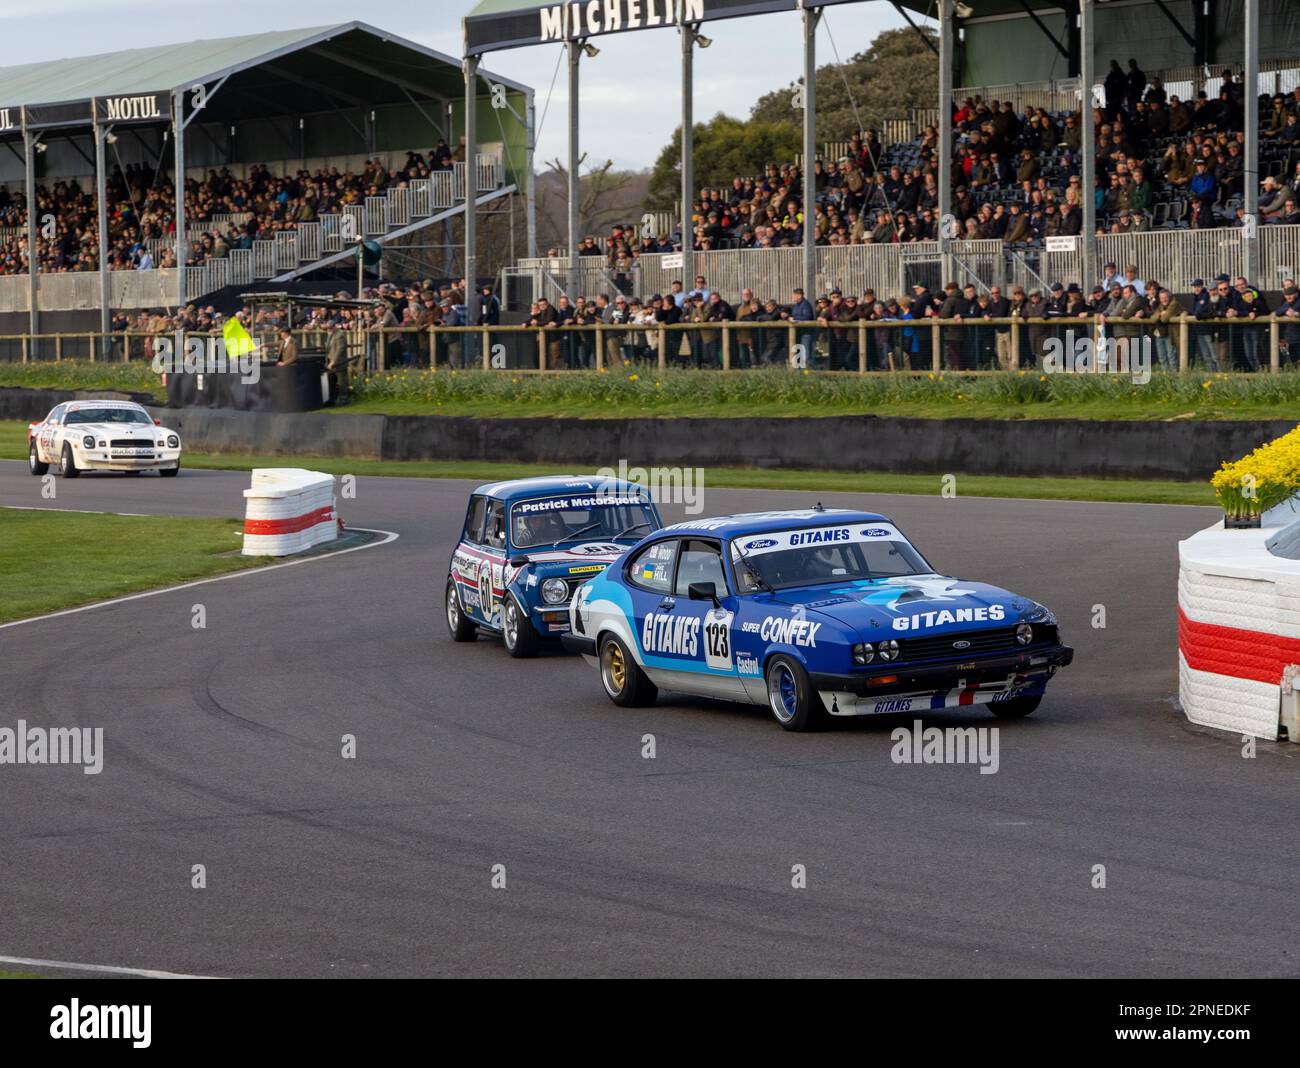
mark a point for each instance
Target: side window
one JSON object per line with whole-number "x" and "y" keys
{"x": 652, "y": 567}
{"x": 474, "y": 520}
{"x": 495, "y": 533}
{"x": 56, "y": 416}
{"x": 701, "y": 562}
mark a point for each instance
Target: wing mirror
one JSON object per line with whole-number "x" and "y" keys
{"x": 518, "y": 561}
{"x": 704, "y": 591}
{"x": 157, "y": 422}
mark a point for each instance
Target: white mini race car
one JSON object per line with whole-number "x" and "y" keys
{"x": 101, "y": 435}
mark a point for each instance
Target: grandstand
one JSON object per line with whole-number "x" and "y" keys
{"x": 294, "y": 145}
{"x": 1011, "y": 87}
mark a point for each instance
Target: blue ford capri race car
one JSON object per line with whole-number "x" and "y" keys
{"x": 809, "y": 612}
{"x": 528, "y": 543}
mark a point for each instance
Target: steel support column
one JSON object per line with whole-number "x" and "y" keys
{"x": 575, "y": 186}
{"x": 530, "y": 188}
{"x": 29, "y": 174}
{"x": 178, "y": 126}
{"x": 947, "y": 223}
{"x": 101, "y": 222}
{"x": 471, "y": 178}
{"x": 1088, "y": 155}
{"x": 688, "y": 154}
{"x": 811, "y": 17}
{"x": 1250, "y": 171}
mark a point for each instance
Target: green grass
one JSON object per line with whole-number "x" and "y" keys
{"x": 644, "y": 392}
{"x": 13, "y": 437}
{"x": 55, "y": 560}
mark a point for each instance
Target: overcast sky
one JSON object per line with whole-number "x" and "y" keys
{"x": 630, "y": 96}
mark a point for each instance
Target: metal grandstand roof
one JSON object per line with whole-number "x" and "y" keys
{"x": 279, "y": 69}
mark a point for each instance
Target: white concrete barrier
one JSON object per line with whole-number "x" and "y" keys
{"x": 1239, "y": 625}
{"x": 288, "y": 510}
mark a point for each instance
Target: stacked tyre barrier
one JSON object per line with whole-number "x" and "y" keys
{"x": 288, "y": 510}
{"x": 1239, "y": 626}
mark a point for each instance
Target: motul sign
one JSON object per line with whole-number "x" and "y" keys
{"x": 146, "y": 108}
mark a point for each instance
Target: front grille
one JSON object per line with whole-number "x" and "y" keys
{"x": 996, "y": 640}
{"x": 130, "y": 443}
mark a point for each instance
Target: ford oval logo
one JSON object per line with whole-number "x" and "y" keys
{"x": 761, "y": 543}
{"x": 961, "y": 645}
{"x": 875, "y": 532}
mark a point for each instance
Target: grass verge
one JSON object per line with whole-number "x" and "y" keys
{"x": 56, "y": 560}
{"x": 632, "y": 392}
{"x": 13, "y": 437}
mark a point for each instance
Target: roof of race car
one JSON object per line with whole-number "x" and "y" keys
{"x": 76, "y": 406}
{"x": 559, "y": 485}
{"x": 733, "y": 526}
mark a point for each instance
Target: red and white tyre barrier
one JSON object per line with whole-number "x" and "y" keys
{"x": 1239, "y": 626}
{"x": 288, "y": 510}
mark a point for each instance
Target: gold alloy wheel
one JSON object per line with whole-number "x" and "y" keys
{"x": 615, "y": 668}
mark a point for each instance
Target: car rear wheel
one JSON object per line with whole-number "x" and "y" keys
{"x": 462, "y": 629}
{"x": 34, "y": 463}
{"x": 794, "y": 703}
{"x": 1016, "y": 708}
{"x": 170, "y": 472}
{"x": 67, "y": 465}
{"x": 624, "y": 681}
{"x": 517, "y": 631}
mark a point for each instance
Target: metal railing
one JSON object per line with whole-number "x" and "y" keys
{"x": 930, "y": 345}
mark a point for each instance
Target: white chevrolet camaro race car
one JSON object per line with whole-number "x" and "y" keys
{"x": 101, "y": 435}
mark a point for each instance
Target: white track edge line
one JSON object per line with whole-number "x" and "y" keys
{"x": 390, "y": 536}
{"x": 107, "y": 969}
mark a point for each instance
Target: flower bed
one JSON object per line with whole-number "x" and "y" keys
{"x": 1266, "y": 477}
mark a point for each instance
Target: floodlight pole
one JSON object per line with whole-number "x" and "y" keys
{"x": 29, "y": 168}
{"x": 1250, "y": 172}
{"x": 946, "y": 219}
{"x": 471, "y": 177}
{"x": 688, "y": 154}
{"x": 811, "y": 16}
{"x": 574, "y": 47}
{"x": 1088, "y": 152}
{"x": 101, "y": 221}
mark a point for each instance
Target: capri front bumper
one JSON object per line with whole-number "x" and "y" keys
{"x": 912, "y": 678}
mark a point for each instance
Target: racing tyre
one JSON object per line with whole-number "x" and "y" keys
{"x": 462, "y": 629}
{"x": 794, "y": 703}
{"x": 624, "y": 681}
{"x": 1016, "y": 708}
{"x": 67, "y": 465}
{"x": 170, "y": 472}
{"x": 34, "y": 461}
{"x": 517, "y": 631}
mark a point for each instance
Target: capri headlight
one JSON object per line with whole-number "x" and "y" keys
{"x": 888, "y": 649}
{"x": 864, "y": 653}
{"x": 173, "y": 442}
{"x": 1025, "y": 633}
{"x": 555, "y": 591}
{"x": 88, "y": 442}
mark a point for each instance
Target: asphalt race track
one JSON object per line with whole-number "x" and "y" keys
{"x": 222, "y": 748}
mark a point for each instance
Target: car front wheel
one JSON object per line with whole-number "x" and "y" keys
{"x": 34, "y": 463}
{"x": 624, "y": 681}
{"x": 794, "y": 703}
{"x": 170, "y": 472}
{"x": 517, "y": 631}
{"x": 67, "y": 465}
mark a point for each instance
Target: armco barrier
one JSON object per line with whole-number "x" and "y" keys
{"x": 1239, "y": 625}
{"x": 288, "y": 510}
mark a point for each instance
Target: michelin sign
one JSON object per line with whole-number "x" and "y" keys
{"x": 560, "y": 22}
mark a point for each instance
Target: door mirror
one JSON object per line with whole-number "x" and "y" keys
{"x": 703, "y": 591}
{"x": 518, "y": 561}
